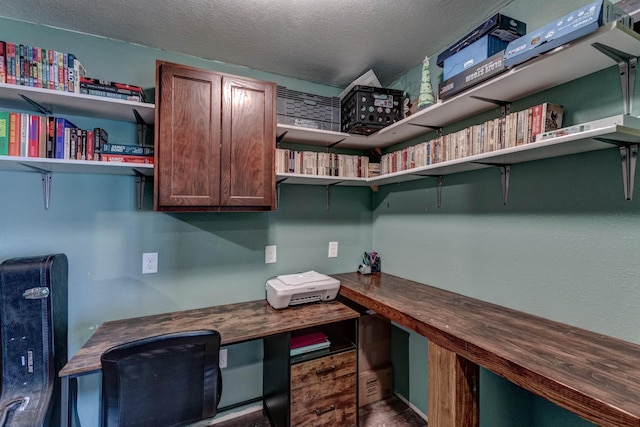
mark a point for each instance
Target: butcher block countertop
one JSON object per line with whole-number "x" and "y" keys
{"x": 592, "y": 375}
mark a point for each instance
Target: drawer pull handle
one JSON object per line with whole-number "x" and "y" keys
{"x": 326, "y": 370}
{"x": 329, "y": 409}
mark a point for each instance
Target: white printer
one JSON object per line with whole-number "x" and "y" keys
{"x": 299, "y": 288}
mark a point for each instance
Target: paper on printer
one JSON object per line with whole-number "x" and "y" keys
{"x": 299, "y": 288}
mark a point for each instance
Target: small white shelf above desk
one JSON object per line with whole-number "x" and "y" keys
{"x": 568, "y": 62}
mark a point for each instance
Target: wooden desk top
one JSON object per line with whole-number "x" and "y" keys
{"x": 592, "y": 375}
{"x": 236, "y": 323}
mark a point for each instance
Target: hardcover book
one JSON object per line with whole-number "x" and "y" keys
{"x": 4, "y": 133}
{"x": 14, "y": 134}
{"x": 131, "y": 150}
{"x": 122, "y": 158}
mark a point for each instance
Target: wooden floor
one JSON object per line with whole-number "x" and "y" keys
{"x": 391, "y": 412}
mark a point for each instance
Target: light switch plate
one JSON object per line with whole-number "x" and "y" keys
{"x": 333, "y": 249}
{"x": 270, "y": 254}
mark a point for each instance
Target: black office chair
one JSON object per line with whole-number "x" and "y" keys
{"x": 162, "y": 381}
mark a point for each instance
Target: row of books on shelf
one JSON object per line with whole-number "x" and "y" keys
{"x": 515, "y": 129}
{"x": 25, "y": 65}
{"x": 321, "y": 163}
{"x": 32, "y": 135}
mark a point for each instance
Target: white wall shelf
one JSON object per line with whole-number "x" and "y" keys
{"x": 600, "y": 138}
{"x": 62, "y": 103}
{"x": 58, "y": 103}
{"x": 566, "y": 63}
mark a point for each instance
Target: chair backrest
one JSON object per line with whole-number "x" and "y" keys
{"x": 165, "y": 380}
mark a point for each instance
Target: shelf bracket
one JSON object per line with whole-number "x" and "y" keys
{"x": 140, "y": 182}
{"x": 41, "y": 109}
{"x": 279, "y": 138}
{"x": 505, "y": 172}
{"x": 505, "y": 106}
{"x": 628, "y": 156}
{"x": 278, "y": 193}
{"x": 330, "y": 146}
{"x": 439, "y": 186}
{"x": 329, "y": 194}
{"x": 627, "y": 65}
{"x": 47, "y": 180}
{"x": 437, "y": 129}
{"x": 142, "y": 128}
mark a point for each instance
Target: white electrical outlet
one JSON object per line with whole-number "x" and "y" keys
{"x": 150, "y": 262}
{"x": 333, "y": 249}
{"x": 222, "y": 361}
{"x": 270, "y": 254}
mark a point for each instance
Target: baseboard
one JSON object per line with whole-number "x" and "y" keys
{"x": 412, "y": 406}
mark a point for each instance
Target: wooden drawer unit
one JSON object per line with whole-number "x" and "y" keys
{"x": 323, "y": 391}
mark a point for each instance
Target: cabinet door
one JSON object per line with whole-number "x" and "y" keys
{"x": 248, "y": 143}
{"x": 187, "y": 132}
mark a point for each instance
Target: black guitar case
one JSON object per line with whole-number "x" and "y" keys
{"x": 33, "y": 330}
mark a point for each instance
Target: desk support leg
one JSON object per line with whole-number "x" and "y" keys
{"x": 453, "y": 389}
{"x": 64, "y": 406}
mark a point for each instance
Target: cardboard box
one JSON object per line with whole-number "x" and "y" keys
{"x": 574, "y": 25}
{"x": 472, "y": 55}
{"x": 486, "y": 69}
{"x": 375, "y": 385}
{"x": 500, "y": 26}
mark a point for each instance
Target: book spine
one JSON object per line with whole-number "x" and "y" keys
{"x": 71, "y": 77}
{"x": 24, "y": 134}
{"x": 51, "y": 137}
{"x": 90, "y": 145}
{"x": 59, "y": 141}
{"x": 127, "y": 159}
{"x": 3, "y": 62}
{"x": 4, "y": 133}
{"x": 33, "y": 149}
{"x": 95, "y": 92}
{"x": 11, "y": 63}
{"x": 14, "y": 134}
{"x": 51, "y": 54}
{"x": 70, "y": 143}
{"x": 60, "y": 77}
{"x": 42, "y": 136}
{"x": 134, "y": 150}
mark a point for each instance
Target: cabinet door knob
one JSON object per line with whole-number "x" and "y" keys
{"x": 325, "y": 370}
{"x": 329, "y": 409}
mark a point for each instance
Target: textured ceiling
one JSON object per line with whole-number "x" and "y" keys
{"x": 325, "y": 41}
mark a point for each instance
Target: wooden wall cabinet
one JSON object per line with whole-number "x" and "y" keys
{"x": 215, "y": 141}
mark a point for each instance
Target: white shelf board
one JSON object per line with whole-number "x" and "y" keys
{"x": 291, "y": 178}
{"x": 73, "y": 166}
{"x": 568, "y": 62}
{"x": 60, "y": 103}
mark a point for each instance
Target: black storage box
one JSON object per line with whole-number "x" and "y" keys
{"x": 499, "y": 26}
{"x": 367, "y": 109}
{"x": 307, "y": 110}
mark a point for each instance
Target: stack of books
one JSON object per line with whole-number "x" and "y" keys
{"x": 126, "y": 153}
{"x": 309, "y": 342}
{"x": 97, "y": 87}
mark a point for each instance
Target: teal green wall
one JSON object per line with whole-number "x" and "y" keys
{"x": 204, "y": 259}
{"x": 565, "y": 247}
